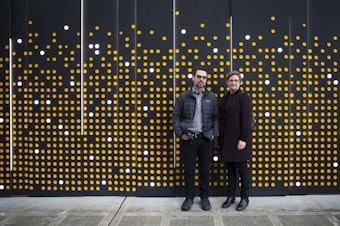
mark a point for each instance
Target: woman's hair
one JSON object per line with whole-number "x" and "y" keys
{"x": 234, "y": 73}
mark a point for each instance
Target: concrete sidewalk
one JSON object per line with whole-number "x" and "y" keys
{"x": 307, "y": 210}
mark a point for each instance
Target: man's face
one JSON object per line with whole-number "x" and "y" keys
{"x": 200, "y": 79}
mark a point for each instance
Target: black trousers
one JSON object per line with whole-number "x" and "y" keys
{"x": 190, "y": 150}
{"x": 245, "y": 174}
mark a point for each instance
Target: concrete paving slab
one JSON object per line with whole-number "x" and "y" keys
{"x": 141, "y": 220}
{"x": 310, "y": 220}
{"x": 246, "y": 220}
{"x": 297, "y": 210}
{"x": 192, "y": 220}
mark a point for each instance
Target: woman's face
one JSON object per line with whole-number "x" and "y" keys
{"x": 234, "y": 83}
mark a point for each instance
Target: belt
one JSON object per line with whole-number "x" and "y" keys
{"x": 195, "y": 135}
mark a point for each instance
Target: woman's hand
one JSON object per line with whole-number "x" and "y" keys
{"x": 241, "y": 145}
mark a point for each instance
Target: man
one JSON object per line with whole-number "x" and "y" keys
{"x": 195, "y": 120}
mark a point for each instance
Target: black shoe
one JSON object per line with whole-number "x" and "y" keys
{"x": 230, "y": 200}
{"x": 242, "y": 205}
{"x": 205, "y": 204}
{"x": 187, "y": 204}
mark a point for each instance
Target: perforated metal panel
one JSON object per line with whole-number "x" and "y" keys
{"x": 94, "y": 86}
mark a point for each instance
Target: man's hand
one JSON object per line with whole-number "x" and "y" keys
{"x": 185, "y": 137}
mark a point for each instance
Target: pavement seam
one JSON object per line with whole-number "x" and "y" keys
{"x": 119, "y": 214}
{"x": 274, "y": 220}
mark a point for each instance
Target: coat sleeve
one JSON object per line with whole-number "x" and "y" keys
{"x": 246, "y": 116}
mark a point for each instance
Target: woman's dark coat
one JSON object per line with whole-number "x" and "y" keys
{"x": 235, "y": 118}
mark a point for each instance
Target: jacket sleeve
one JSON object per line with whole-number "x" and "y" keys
{"x": 177, "y": 115}
{"x": 215, "y": 117}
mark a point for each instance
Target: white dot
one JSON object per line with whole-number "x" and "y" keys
{"x": 279, "y": 50}
{"x": 267, "y": 114}
{"x": 2, "y": 187}
{"x": 66, "y": 133}
{"x": 335, "y": 164}
{"x": 109, "y": 102}
{"x": 91, "y": 46}
{"x": 215, "y": 50}
{"x": 145, "y": 108}
{"x": 61, "y": 182}
{"x": 190, "y": 75}
{"x": 215, "y": 158}
{"x": 127, "y": 170}
{"x": 97, "y": 52}
{"x": 247, "y": 37}
{"x": 242, "y": 75}
{"x": 152, "y": 70}
{"x": 36, "y": 102}
{"x": 183, "y": 31}
{"x": 19, "y": 40}
{"x": 103, "y": 182}
{"x": 19, "y": 83}
{"x": 48, "y": 120}
{"x": 1, "y": 120}
{"x": 336, "y": 82}
{"x": 72, "y": 83}
{"x": 127, "y": 64}
{"x": 48, "y": 102}
{"x": 298, "y": 133}
{"x": 96, "y": 46}
{"x": 91, "y": 157}
{"x": 91, "y": 114}
{"x": 42, "y": 52}
{"x": 66, "y": 27}
{"x": 298, "y": 184}
{"x": 267, "y": 82}
{"x": 60, "y": 127}
{"x": 152, "y": 184}
{"x": 109, "y": 139}
{"x": 36, "y": 151}
{"x": 145, "y": 152}
{"x": 329, "y": 75}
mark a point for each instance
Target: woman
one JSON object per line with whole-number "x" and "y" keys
{"x": 235, "y": 119}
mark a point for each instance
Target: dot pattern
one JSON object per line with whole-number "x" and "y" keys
{"x": 92, "y": 107}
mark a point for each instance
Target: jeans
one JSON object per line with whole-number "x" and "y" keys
{"x": 190, "y": 150}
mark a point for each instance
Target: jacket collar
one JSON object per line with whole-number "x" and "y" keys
{"x": 192, "y": 91}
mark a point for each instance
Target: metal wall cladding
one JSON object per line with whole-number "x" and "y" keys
{"x": 87, "y": 91}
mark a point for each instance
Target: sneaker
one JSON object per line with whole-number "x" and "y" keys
{"x": 187, "y": 204}
{"x": 205, "y": 203}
